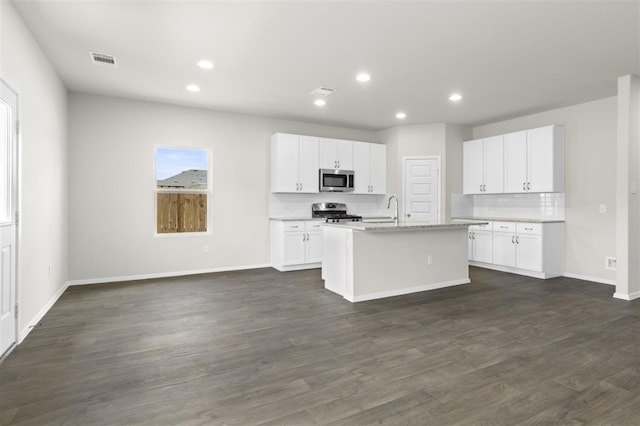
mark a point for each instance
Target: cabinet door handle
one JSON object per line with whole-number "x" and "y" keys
{"x": 524, "y": 186}
{"x": 517, "y": 241}
{"x": 338, "y": 163}
{"x": 513, "y": 237}
{"x": 528, "y": 229}
{"x": 528, "y": 186}
{"x": 294, "y": 226}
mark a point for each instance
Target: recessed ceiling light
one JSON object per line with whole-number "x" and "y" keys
{"x": 363, "y": 77}
{"x": 205, "y": 65}
{"x": 455, "y": 97}
{"x": 193, "y": 88}
{"x": 401, "y": 115}
{"x": 319, "y": 102}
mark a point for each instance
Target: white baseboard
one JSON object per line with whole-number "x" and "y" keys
{"x": 164, "y": 274}
{"x": 401, "y": 291}
{"x": 587, "y": 278}
{"x": 298, "y": 267}
{"x": 509, "y": 269}
{"x": 624, "y": 296}
{"x": 38, "y": 317}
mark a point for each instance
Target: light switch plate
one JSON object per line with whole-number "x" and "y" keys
{"x": 603, "y": 208}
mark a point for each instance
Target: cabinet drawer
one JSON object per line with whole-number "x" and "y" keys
{"x": 504, "y": 227}
{"x": 529, "y": 228}
{"x": 485, "y": 227}
{"x": 292, "y": 226}
{"x": 314, "y": 225}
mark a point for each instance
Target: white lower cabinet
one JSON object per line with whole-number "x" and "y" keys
{"x": 481, "y": 243}
{"x": 533, "y": 249}
{"x": 296, "y": 244}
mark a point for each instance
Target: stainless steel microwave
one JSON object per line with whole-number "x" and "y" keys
{"x": 336, "y": 180}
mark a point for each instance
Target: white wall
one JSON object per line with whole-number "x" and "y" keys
{"x": 444, "y": 140}
{"x": 590, "y": 180}
{"x": 43, "y": 167}
{"x": 111, "y": 184}
{"x": 628, "y": 179}
{"x": 455, "y": 135}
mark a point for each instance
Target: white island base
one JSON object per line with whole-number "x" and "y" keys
{"x": 371, "y": 262}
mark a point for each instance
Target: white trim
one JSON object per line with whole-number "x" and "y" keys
{"x": 297, "y": 267}
{"x": 587, "y": 278}
{"x": 401, "y": 291}
{"x": 38, "y": 317}
{"x": 630, "y": 296}
{"x": 16, "y": 203}
{"x": 404, "y": 178}
{"x": 511, "y": 270}
{"x": 164, "y": 274}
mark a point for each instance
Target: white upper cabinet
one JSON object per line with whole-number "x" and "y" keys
{"x": 525, "y": 161}
{"x": 515, "y": 155}
{"x": 370, "y": 168}
{"x": 294, "y": 163}
{"x": 336, "y": 154}
{"x": 483, "y": 166}
{"x": 473, "y": 167}
{"x": 534, "y": 160}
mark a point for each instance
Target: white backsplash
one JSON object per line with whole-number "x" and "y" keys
{"x": 299, "y": 205}
{"x": 518, "y": 206}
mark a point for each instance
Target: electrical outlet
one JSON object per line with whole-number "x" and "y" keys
{"x": 610, "y": 263}
{"x": 205, "y": 248}
{"x": 429, "y": 260}
{"x": 602, "y": 208}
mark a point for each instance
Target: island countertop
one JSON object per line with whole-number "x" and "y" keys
{"x": 404, "y": 226}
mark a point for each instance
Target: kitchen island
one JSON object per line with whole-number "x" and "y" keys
{"x": 365, "y": 261}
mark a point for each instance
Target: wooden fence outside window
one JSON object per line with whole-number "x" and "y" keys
{"x": 180, "y": 212}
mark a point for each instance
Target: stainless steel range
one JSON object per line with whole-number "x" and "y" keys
{"x": 333, "y": 212}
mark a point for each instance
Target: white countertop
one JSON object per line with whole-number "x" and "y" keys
{"x": 403, "y": 226}
{"x": 509, "y": 219}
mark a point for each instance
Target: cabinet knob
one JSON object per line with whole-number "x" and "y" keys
{"x": 528, "y": 186}
{"x": 524, "y": 186}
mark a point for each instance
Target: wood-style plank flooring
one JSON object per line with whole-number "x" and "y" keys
{"x": 264, "y": 347}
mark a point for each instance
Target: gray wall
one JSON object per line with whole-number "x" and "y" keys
{"x": 590, "y": 180}
{"x": 43, "y": 167}
{"x": 111, "y": 184}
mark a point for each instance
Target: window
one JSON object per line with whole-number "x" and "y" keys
{"x": 182, "y": 190}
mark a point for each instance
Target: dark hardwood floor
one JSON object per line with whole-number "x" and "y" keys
{"x": 264, "y": 347}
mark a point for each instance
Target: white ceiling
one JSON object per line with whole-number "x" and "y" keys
{"x": 507, "y": 58}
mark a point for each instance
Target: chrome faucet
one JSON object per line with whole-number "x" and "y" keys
{"x": 393, "y": 197}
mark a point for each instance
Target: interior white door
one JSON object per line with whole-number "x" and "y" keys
{"x": 421, "y": 189}
{"x": 8, "y": 199}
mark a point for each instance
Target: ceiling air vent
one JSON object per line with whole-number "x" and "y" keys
{"x": 100, "y": 59}
{"x": 322, "y": 91}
